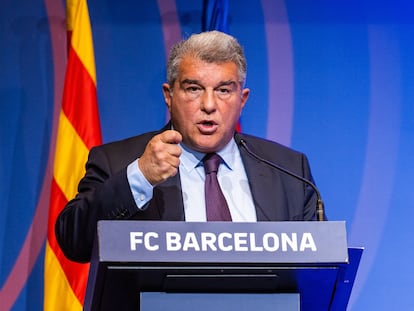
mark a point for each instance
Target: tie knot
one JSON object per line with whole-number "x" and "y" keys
{"x": 211, "y": 162}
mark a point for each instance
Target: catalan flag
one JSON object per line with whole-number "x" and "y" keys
{"x": 78, "y": 131}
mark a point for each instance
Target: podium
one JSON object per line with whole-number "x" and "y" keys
{"x": 296, "y": 265}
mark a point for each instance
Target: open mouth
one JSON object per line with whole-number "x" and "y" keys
{"x": 207, "y": 126}
{"x": 208, "y": 123}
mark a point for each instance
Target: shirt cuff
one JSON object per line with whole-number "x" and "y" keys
{"x": 140, "y": 187}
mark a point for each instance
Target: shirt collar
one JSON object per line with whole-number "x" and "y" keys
{"x": 190, "y": 159}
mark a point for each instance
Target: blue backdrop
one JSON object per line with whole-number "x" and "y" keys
{"x": 331, "y": 78}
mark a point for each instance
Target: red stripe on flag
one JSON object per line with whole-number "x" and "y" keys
{"x": 80, "y": 101}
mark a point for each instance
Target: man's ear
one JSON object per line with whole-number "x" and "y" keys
{"x": 167, "y": 92}
{"x": 244, "y": 96}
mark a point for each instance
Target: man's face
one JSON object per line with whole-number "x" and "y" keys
{"x": 205, "y": 103}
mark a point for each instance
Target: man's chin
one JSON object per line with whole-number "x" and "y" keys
{"x": 206, "y": 145}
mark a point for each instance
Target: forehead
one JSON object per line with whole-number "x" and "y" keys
{"x": 192, "y": 68}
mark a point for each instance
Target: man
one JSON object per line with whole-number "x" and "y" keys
{"x": 160, "y": 175}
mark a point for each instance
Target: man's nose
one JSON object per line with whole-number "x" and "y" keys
{"x": 208, "y": 101}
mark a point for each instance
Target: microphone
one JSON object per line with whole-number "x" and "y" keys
{"x": 320, "y": 212}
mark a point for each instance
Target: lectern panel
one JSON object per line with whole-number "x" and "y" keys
{"x": 305, "y": 258}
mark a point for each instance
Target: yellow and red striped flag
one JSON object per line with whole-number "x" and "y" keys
{"x": 78, "y": 130}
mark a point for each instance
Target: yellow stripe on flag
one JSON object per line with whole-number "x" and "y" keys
{"x": 54, "y": 275}
{"x": 70, "y": 158}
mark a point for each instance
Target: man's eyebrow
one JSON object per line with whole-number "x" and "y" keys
{"x": 190, "y": 81}
{"x": 228, "y": 82}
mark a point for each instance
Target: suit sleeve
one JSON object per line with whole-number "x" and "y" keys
{"x": 103, "y": 194}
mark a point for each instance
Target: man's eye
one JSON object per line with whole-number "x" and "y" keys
{"x": 223, "y": 90}
{"x": 193, "y": 89}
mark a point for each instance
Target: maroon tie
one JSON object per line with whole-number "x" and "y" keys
{"x": 216, "y": 205}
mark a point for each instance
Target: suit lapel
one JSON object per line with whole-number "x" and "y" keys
{"x": 267, "y": 188}
{"x": 170, "y": 199}
{"x": 260, "y": 181}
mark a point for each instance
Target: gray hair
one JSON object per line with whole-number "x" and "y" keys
{"x": 211, "y": 47}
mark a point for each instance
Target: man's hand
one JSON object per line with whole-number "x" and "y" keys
{"x": 161, "y": 157}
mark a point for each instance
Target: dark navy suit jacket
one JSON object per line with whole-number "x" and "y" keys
{"x": 104, "y": 192}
